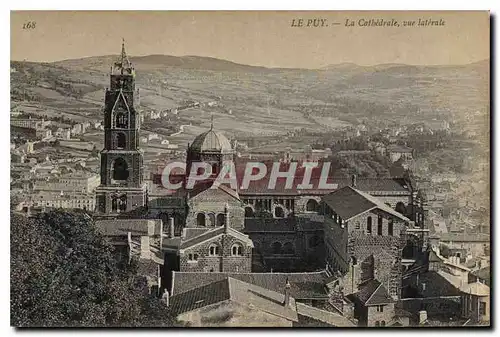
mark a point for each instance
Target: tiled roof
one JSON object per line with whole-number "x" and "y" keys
{"x": 436, "y": 284}
{"x": 330, "y": 318}
{"x": 191, "y": 232}
{"x": 213, "y": 233}
{"x": 373, "y": 293}
{"x": 200, "y": 297}
{"x": 262, "y": 298}
{"x": 349, "y": 202}
{"x": 121, "y": 227}
{"x": 465, "y": 237}
{"x": 303, "y": 285}
{"x": 235, "y": 290}
{"x": 483, "y": 274}
{"x": 476, "y": 288}
{"x": 206, "y": 187}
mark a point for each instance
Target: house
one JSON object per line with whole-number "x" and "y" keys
{"x": 476, "y": 301}
{"x": 372, "y": 304}
{"x": 476, "y": 244}
{"x": 396, "y": 152}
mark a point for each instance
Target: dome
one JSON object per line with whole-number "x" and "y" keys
{"x": 211, "y": 141}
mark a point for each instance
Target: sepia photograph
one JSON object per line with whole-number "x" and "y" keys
{"x": 287, "y": 169}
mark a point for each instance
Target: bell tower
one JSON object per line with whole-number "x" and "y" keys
{"x": 122, "y": 188}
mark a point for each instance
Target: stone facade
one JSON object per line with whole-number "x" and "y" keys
{"x": 122, "y": 188}
{"x": 363, "y": 254}
{"x": 208, "y": 208}
{"x": 217, "y": 255}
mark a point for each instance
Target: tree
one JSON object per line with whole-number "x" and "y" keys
{"x": 65, "y": 273}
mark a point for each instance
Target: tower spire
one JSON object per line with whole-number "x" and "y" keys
{"x": 123, "y": 62}
{"x": 124, "y": 55}
{"x": 212, "y": 122}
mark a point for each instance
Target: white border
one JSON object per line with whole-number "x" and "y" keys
{"x": 200, "y": 5}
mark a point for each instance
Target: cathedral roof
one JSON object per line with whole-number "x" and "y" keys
{"x": 211, "y": 141}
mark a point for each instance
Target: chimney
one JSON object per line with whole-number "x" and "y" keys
{"x": 171, "y": 227}
{"x": 287, "y": 293}
{"x": 353, "y": 181}
{"x": 226, "y": 223}
{"x": 422, "y": 317}
{"x": 166, "y": 298}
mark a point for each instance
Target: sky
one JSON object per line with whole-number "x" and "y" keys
{"x": 254, "y": 38}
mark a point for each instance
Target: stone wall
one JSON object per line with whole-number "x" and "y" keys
{"x": 224, "y": 262}
{"x": 376, "y": 316}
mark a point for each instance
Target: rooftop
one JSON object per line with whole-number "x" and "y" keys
{"x": 373, "y": 293}
{"x": 211, "y": 141}
{"x": 476, "y": 288}
{"x": 238, "y": 291}
{"x": 303, "y": 285}
{"x": 120, "y": 227}
{"x": 465, "y": 237}
{"x": 349, "y": 202}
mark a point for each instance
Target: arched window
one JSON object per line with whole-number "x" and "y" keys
{"x": 278, "y": 212}
{"x": 314, "y": 241}
{"x": 288, "y": 248}
{"x": 276, "y": 248}
{"x": 214, "y": 250}
{"x": 120, "y": 169}
{"x": 215, "y": 168}
{"x": 120, "y": 140}
{"x": 390, "y": 227}
{"x": 114, "y": 204}
{"x": 382, "y": 323}
{"x": 200, "y": 219}
{"x": 221, "y": 219}
{"x": 249, "y": 212}
{"x": 122, "y": 203}
{"x": 121, "y": 120}
{"x": 237, "y": 249}
{"x": 401, "y": 208}
{"x": 380, "y": 225}
{"x": 369, "y": 225}
{"x": 312, "y": 205}
{"x": 211, "y": 218}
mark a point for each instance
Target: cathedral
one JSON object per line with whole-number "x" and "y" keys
{"x": 357, "y": 238}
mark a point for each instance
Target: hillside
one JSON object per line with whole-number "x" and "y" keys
{"x": 256, "y": 100}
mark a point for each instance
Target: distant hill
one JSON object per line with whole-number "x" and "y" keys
{"x": 166, "y": 61}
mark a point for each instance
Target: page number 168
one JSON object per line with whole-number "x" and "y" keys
{"x": 29, "y": 25}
